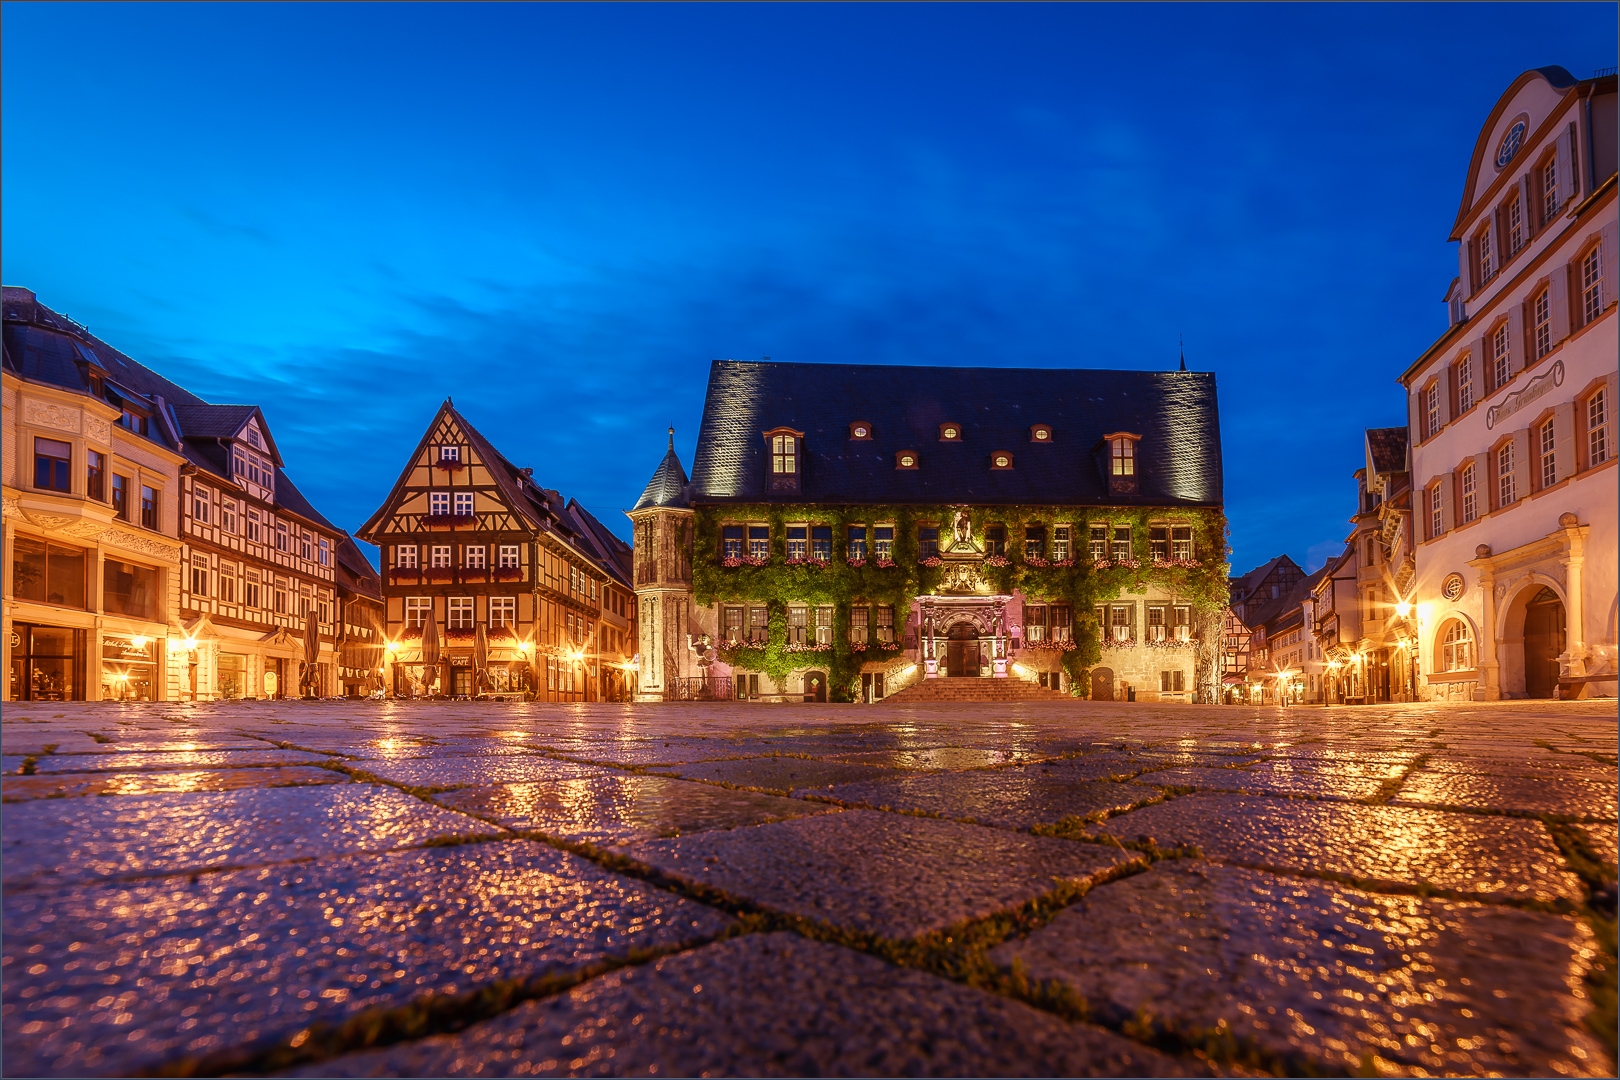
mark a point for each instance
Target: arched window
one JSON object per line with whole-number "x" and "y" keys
{"x": 1456, "y": 647}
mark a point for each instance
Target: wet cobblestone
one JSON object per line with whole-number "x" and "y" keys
{"x": 170, "y": 903}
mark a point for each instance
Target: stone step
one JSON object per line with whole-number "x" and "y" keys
{"x": 959, "y": 689}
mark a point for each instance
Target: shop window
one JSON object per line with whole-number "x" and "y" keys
{"x": 128, "y": 669}
{"x": 230, "y": 676}
{"x": 46, "y": 662}
{"x": 52, "y": 461}
{"x": 47, "y": 573}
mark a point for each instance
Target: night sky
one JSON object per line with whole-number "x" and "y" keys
{"x": 559, "y": 215}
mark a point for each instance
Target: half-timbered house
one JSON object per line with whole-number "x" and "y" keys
{"x": 470, "y": 541}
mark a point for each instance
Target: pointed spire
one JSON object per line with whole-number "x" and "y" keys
{"x": 672, "y": 440}
{"x": 1183, "y": 344}
{"x": 668, "y": 486}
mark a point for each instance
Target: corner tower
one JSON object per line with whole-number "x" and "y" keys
{"x": 662, "y": 522}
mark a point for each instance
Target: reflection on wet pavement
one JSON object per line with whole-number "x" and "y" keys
{"x": 64, "y": 785}
{"x": 617, "y": 809}
{"x": 1395, "y": 888}
{"x": 230, "y": 959}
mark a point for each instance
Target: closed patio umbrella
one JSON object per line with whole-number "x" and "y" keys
{"x": 480, "y": 657}
{"x": 430, "y": 652}
{"x": 312, "y": 650}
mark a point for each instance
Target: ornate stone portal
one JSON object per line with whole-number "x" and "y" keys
{"x": 963, "y": 604}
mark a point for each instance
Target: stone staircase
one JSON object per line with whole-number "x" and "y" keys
{"x": 951, "y": 691}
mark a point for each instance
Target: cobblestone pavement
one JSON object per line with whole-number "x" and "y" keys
{"x": 378, "y": 889}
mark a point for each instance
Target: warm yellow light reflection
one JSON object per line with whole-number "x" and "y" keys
{"x": 1403, "y": 609}
{"x": 393, "y": 646}
{"x": 140, "y": 642}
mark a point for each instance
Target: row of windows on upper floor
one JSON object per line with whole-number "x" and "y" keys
{"x": 476, "y": 557}
{"x": 461, "y": 613}
{"x": 231, "y": 516}
{"x": 868, "y": 623}
{"x": 53, "y": 471}
{"x": 1521, "y": 464}
{"x": 1471, "y": 378}
{"x": 787, "y": 449}
{"x": 1528, "y": 207}
{"x": 239, "y": 583}
{"x": 814, "y": 543}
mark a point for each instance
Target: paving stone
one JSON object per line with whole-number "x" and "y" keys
{"x": 885, "y": 874}
{"x": 234, "y": 959}
{"x": 1605, "y": 840}
{"x": 50, "y": 841}
{"x": 1325, "y": 976}
{"x": 1286, "y": 777}
{"x": 172, "y": 759}
{"x": 445, "y": 773}
{"x": 945, "y": 757}
{"x": 615, "y": 809}
{"x": 1498, "y": 856}
{"x": 634, "y": 752}
{"x": 66, "y": 785}
{"x": 767, "y": 1005}
{"x": 779, "y": 774}
{"x": 1019, "y": 798}
{"x": 1586, "y": 794}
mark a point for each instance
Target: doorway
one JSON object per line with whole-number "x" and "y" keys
{"x": 1543, "y": 641}
{"x": 962, "y": 651}
{"x": 815, "y": 686}
{"x": 1102, "y": 684}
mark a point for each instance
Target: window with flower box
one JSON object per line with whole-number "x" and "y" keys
{"x": 885, "y": 623}
{"x": 1099, "y": 543}
{"x": 798, "y": 542}
{"x": 439, "y": 503}
{"x": 759, "y": 542}
{"x": 798, "y": 628}
{"x": 1060, "y": 622}
{"x": 824, "y": 625}
{"x": 1062, "y": 545}
{"x": 821, "y": 543}
{"x": 856, "y": 543}
{"x": 1034, "y": 542}
{"x": 475, "y": 556}
{"x": 1159, "y": 543}
{"x": 509, "y": 556}
{"x": 883, "y": 542}
{"x": 859, "y": 624}
{"x": 502, "y": 612}
{"x": 1122, "y": 543}
{"x": 1157, "y": 628}
{"x": 460, "y": 615}
{"x": 928, "y": 542}
{"x": 450, "y": 453}
{"x": 405, "y": 556}
{"x": 995, "y": 540}
{"x": 1119, "y": 621}
{"x": 1182, "y": 613}
{"x": 759, "y": 625}
{"x": 1034, "y": 623}
{"x": 732, "y": 629}
{"x": 731, "y": 541}
{"x": 440, "y": 556}
{"x": 1181, "y": 543}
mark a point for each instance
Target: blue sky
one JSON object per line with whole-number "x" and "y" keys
{"x": 559, "y": 215}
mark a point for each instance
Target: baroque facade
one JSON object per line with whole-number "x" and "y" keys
{"x": 146, "y": 560}
{"x": 474, "y": 550}
{"x": 1512, "y": 411}
{"x": 850, "y": 529}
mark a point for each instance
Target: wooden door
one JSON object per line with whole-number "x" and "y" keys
{"x": 1102, "y": 684}
{"x": 962, "y": 652}
{"x": 1543, "y": 641}
{"x": 815, "y": 687}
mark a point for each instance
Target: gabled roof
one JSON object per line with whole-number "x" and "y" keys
{"x": 1386, "y": 449}
{"x": 611, "y": 553}
{"x": 354, "y": 570}
{"x": 1174, "y": 412}
{"x": 668, "y": 486}
{"x": 1246, "y": 583}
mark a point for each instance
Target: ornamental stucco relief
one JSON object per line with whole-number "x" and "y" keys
{"x": 146, "y": 545}
{"x": 96, "y": 428}
{"x": 45, "y": 414}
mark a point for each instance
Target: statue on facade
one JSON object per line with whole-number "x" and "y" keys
{"x": 962, "y": 529}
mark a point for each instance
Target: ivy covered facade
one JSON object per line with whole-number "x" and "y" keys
{"x": 849, "y": 530}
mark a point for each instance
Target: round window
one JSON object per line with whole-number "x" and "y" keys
{"x": 1452, "y": 587}
{"x": 1041, "y": 434}
{"x": 950, "y": 433}
{"x": 860, "y": 431}
{"x": 1002, "y": 461}
{"x": 907, "y": 460}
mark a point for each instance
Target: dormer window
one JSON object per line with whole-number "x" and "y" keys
{"x": 1040, "y": 433}
{"x": 786, "y": 446}
{"x": 950, "y": 432}
{"x": 905, "y": 459}
{"x": 860, "y": 430}
{"x": 449, "y": 453}
{"x": 1122, "y": 462}
{"x": 1001, "y": 459}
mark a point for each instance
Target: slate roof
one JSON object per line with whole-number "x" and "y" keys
{"x": 612, "y": 554}
{"x": 354, "y": 570}
{"x": 47, "y": 347}
{"x": 1387, "y": 449}
{"x": 669, "y": 485}
{"x": 1174, "y": 412}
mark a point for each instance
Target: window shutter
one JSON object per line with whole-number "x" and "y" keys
{"x": 1482, "y": 363}
{"x": 1527, "y": 204}
{"x": 1444, "y": 397}
{"x": 1521, "y": 463}
{"x": 1564, "y": 439}
{"x": 1611, "y": 260}
{"x": 1448, "y": 502}
{"x": 1516, "y": 351}
{"x": 1566, "y": 165}
{"x": 1484, "y": 483}
{"x": 1558, "y": 303}
{"x": 1465, "y": 270}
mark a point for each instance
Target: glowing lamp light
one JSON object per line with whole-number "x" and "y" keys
{"x": 577, "y": 654}
{"x": 1403, "y": 609}
{"x": 393, "y": 646}
{"x": 526, "y": 647}
{"x": 140, "y": 642}
{"x": 191, "y": 644}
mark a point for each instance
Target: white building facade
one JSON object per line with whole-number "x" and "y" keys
{"x": 1512, "y": 411}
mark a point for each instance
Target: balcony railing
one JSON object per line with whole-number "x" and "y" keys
{"x": 698, "y": 689}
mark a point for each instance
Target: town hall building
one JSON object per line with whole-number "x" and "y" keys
{"x": 850, "y": 530}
